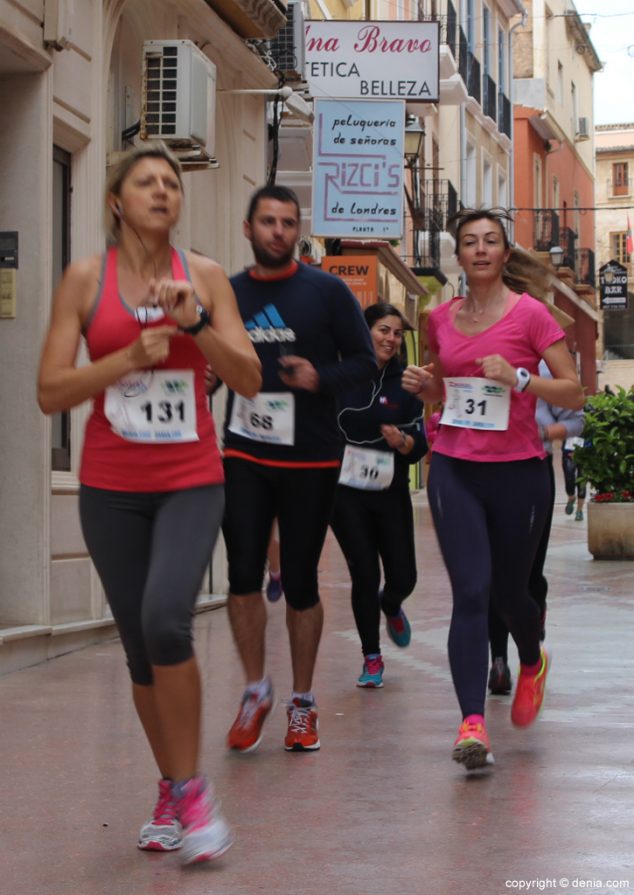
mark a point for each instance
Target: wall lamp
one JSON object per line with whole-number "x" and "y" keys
{"x": 414, "y": 136}
{"x": 556, "y": 256}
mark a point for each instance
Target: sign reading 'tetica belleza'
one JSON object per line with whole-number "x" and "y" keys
{"x": 373, "y": 60}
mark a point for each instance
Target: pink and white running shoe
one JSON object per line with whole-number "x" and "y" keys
{"x": 162, "y": 832}
{"x": 206, "y": 834}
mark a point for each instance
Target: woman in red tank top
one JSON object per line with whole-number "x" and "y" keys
{"x": 151, "y": 494}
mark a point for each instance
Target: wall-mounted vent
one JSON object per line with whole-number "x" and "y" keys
{"x": 179, "y": 97}
{"x": 583, "y": 129}
{"x": 288, "y": 48}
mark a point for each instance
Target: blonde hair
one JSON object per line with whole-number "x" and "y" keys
{"x": 120, "y": 171}
{"x": 522, "y": 272}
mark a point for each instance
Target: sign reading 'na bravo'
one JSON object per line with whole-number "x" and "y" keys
{"x": 373, "y": 60}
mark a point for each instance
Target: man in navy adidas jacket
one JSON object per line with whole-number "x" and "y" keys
{"x": 282, "y": 454}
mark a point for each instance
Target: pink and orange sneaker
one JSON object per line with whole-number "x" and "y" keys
{"x": 472, "y": 747}
{"x": 529, "y": 693}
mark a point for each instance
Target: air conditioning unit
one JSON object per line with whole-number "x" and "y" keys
{"x": 179, "y": 99}
{"x": 583, "y": 130}
{"x": 288, "y": 48}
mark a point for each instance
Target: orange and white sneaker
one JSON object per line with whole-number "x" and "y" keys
{"x": 472, "y": 747}
{"x": 245, "y": 734}
{"x": 529, "y": 693}
{"x": 303, "y": 726}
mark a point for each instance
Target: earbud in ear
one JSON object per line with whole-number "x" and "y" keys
{"x": 118, "y": 209}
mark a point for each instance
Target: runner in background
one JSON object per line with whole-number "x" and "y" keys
{"x": 282, "y": 455}
{"x": 373, "y": 519}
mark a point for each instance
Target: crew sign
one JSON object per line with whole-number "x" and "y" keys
{"x": 358, "y": 168}
{"x": 373, "y": 60}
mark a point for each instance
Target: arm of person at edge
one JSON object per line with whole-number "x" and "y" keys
{"x": 357, "y": 361}
{"x": 563, "y": 390}
{"x": 224, "y": 343}
{"x": 61, "y": 384}
{"x": 556, "y": 422}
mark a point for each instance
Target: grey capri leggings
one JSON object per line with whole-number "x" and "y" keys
{"x": 151, "y": 551}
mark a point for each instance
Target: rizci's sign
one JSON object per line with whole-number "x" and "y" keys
{"x": 613, "y": 286}
{"x": 373, "y": 60}
{"x": 358, "y": 168}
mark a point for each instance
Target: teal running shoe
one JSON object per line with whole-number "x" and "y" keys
{"x": 372, "y": 674}
{"x": 398, "y": 629}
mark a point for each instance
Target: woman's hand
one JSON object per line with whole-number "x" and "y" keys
{"x": 396, "y": 439}
{"x": 416, "y": 379}
{"x": 152, "y": 347}
{"x": 495, "y": 367}
{"x": 176, "y": 298}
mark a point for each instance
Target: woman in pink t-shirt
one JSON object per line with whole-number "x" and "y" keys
{"x": 488, "y": 483}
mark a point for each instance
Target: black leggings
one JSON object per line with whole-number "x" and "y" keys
{"x": 373, "y": 527}
{"x": 151, "y": 551}
{"x": 488, "y": 518}
{"x": 570, "y": 476}
{"x": 301, "y": 499}
{"x": 537, "y": 582}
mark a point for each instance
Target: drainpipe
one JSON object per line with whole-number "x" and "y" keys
{"x": 519, "y": 24}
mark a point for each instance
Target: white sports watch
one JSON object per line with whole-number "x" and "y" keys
{"x": 523, "y": 377}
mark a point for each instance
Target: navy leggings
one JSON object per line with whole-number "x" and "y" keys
{"x": 151, "y": 551}
{"x": 537, "y": 582}
{"x": 373, "y": 527}
{"x": 489, "y": 519}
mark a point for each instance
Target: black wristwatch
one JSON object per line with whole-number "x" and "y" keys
{"x": 203, "y": 320}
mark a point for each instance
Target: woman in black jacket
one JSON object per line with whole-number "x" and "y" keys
{"x": 373, "y": 521}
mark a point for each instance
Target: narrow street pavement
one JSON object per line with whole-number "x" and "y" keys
{"x": 381, "y": 808}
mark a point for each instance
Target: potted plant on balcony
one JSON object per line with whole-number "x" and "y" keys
{"x": 606, "y": 463}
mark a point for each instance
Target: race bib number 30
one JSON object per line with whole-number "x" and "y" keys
{"x": 472, "y": 402}
{"x": 269, "y": 417}
{"x": 153, "y": 406}
{"x": 366, "y": 469}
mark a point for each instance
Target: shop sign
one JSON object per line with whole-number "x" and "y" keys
{"x": 358, "y": 169}
{"x": 380, "y": 60}
{"x": 613, "y": 286}
{"x": 359, "y": 272}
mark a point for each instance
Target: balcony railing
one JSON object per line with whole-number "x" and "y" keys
{"x": 463, "y": 50}
{"x": 437, "y": 204}
{"x": 504, "y": 114}
{"x": 584, "y": 266}
{"x": 489, "y": 98}
{"x": 474, "y": 79}
{"x": 546, "y": 229}
{"x": 448, "y": 30}
{"x": 618, "y": 190}
{"x": 567, "y": 239}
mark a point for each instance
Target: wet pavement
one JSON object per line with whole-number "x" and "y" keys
{"x": 381, "y": 808}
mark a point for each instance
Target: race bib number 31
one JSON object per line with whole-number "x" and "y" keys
{"x": 472, "y": 402}
{"x": 153, "y": 406}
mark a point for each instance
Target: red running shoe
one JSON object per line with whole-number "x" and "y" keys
{"x": 303, "y": 727}
{"x": 529, "y": 694}
{"x": 246, "y": 731}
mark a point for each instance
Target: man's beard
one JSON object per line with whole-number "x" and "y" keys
{"x": 274, "y": 262}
